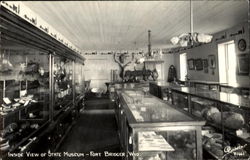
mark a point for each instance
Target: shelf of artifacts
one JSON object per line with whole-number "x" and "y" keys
{"x": 225, "y": 127}
{"x": 227, "y": 119}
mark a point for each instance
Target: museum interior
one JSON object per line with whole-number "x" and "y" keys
{"x": 125, "y": 80}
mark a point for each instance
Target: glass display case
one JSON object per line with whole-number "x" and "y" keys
{"x": 25, "y": 85}
{"x": 169, "y": 144}
{"x": 79, "y": 80}
{"x": 63, "y": 84}
{"x": 163, "y": 90}
{"x": 206, "y": 85}
{"x": 243, "y": 90}
{"x": 36, "y": 83}
{"x": 227, "y": 118}
{"x": 180, "y": 100}
{"x": 152, "y": 129}
{"x": 80, "y": 86}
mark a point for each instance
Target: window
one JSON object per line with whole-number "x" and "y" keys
{"x": 227, "y": 62}
{"x": 183, "y": 66}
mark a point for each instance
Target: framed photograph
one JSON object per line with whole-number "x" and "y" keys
{"x": 191, "y": 64}
{"x": 199, "y": 64}
{"x": 205, "y": 65}
{"x": 243, "y": 64}
{"x": 211, "y": 61}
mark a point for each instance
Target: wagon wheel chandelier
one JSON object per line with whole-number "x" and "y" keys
{"x": 192, "y": 37}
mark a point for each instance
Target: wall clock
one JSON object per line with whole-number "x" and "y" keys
{"x": 242, "y": 45}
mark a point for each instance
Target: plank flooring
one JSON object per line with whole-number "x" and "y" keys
{"x": 95, "y": 130}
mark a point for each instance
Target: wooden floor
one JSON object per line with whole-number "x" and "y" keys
{"x": 95, "y": 130}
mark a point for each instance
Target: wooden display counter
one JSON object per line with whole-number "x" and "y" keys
{"x": 226, "y": 115}
{"x": 166, "y": 132}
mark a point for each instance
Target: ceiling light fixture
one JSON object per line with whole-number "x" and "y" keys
{"x": 186, "y": 39}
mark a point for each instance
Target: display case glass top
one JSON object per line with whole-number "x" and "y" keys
{"x": 229, "y": 98}
{"x": 162, "y": 83}
{"x": 166, "y": 84}
{"x": 205, "y": 82}
{"x": 149, "y": 109}
{"x": 235, "y": 85}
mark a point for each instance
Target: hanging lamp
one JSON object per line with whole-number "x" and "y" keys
{"x": 192, "y": 37}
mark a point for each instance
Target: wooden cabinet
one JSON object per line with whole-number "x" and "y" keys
{"x": 39, "y": 88}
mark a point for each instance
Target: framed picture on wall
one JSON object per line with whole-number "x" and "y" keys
{"x": 243, "y": 64}
{"x": 191, "y": 64}
{"x": 199, "y": 64}
{"x": 205, "y": 65}
{"x": 211, "y": 61}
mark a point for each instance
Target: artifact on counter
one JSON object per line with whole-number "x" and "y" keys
{"x": 207, "y": 130}
{"x": 43, "y": 78}
{"x": 217, "y": 151}
{"x": 5, "y": 65}
{"x": 5, "y": 106}
{"x": 59, "y": 71}
{"x": 41, "y": 71}
{"x": 150, "y": 141}
{"x": 31, "y": 115}
{"x": 216, "y": 117}
{"x": 231, "y": 120}
{"x": 32, "y": 68}
{"x": 155, "y": 74}
{"x": 34, "y": 126}
{"x": 6, "y": 100}
{"x": 9, "y": 129}
{"x": 15, "y": 105}
{"x": 197, "y": 113}
{"x": 30, "y": 140}
{"x": 209, "y": 111}
{"x": 16, "y": 99}
{"x": 214, "y": 143}
{"x": 243, "y": 133}
{"x": 23, "y": 67}
{"x": 26, "y": 103}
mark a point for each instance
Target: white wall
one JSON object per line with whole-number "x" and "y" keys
{"x": 98, "y": 68}
{"x": 207, "y": 49}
